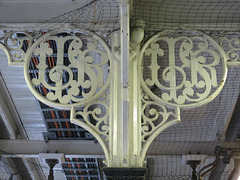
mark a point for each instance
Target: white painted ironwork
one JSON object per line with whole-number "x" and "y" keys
{"x": 13, "y": 44}
{"x": 230, "y": 42}
{"x": 89, "y": 55}
{"x": 193, "y": 62}
{"x": 80, "y": 83}
{"x": 125, "y": 100}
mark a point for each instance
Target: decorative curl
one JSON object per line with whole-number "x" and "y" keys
{"x": 154, "y": 116}
{"x": 74, "y": 68}
{"x": 96, "y": 115}
{"x": 184, "y": 68}
{"x": 15, "y": 42}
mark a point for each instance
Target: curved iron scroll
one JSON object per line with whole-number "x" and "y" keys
{"x": 172, "y": 71}
{"x": 177, "y": 70}
{"x": 77, "y": 78}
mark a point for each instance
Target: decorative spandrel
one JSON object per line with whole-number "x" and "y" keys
{"x": 230, "y": 43}
{"x": 78, "y": 70}
{"x": 17, "y": 43}
{"x": 94, "y": 117}
{"x": 180, "y": 69}
{"x": 74, "y": 72}
{"x": 67, "y": 70}
{"x": 156, "y": 117}
{"x": 184, "y": 69}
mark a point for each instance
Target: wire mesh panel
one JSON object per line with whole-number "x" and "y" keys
{"x": 206, "y": 14}
{"x": 207, "y": 123}
{"x": 97, "y": 15}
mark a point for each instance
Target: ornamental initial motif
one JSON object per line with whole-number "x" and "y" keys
{"x": 172, "y": 71}
{"x": 185, "y": 69}
{"x": 77, "y": 73}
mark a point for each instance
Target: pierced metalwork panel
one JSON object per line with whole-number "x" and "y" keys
{"x": 71, "y": 70}
{"x": 178, "y": 69}
{"x": 74, "y": 71}
{"x": 78, "y": 71}
{"x": 154, "y": 116}
{"x": 187, "y": 68}
{"x": 96, "y": 116}
{"x": 230, "y": 42}
{"x": 57, "y": 121}
{"x": 17, "y": 44}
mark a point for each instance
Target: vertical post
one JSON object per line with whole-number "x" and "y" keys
{"x": 51, "y": 163}
{"x": 115, "y": 134}
{"x": 124, "y": 61}
{"x": 135, "y": 117}
{"x": 137, "y": 35}
{"x": 119, "y": 126}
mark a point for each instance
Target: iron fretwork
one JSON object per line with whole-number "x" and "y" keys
{"x": 171, "y": 71}
{"x": 76, "y": 78}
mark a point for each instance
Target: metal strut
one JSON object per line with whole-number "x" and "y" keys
{"x": 51, "y": 163}
{"x": 218, "y": 151}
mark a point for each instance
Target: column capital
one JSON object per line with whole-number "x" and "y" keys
{"x": 125, "y": 173}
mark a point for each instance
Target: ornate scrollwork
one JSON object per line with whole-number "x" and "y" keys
{"x": 17, "y": 44}
{"x": 73, "y": 70}
{"x": 94, "y": 117}
{"x": 77, "y": 73}
{"x": 154, "y": 116}
{"x": 233, "y": 53}
{"x": 184, "y": 67}
{"x": 230, "y": 42}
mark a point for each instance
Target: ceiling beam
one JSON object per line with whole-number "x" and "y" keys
{"x": 32, "y": 147}
{"x": 9, "y": 114}
{"x": 186, "y": 147}
{"x": 80, "y": 147}
{"x": 32, "y": 10}
{"x": 5, "y": 114}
